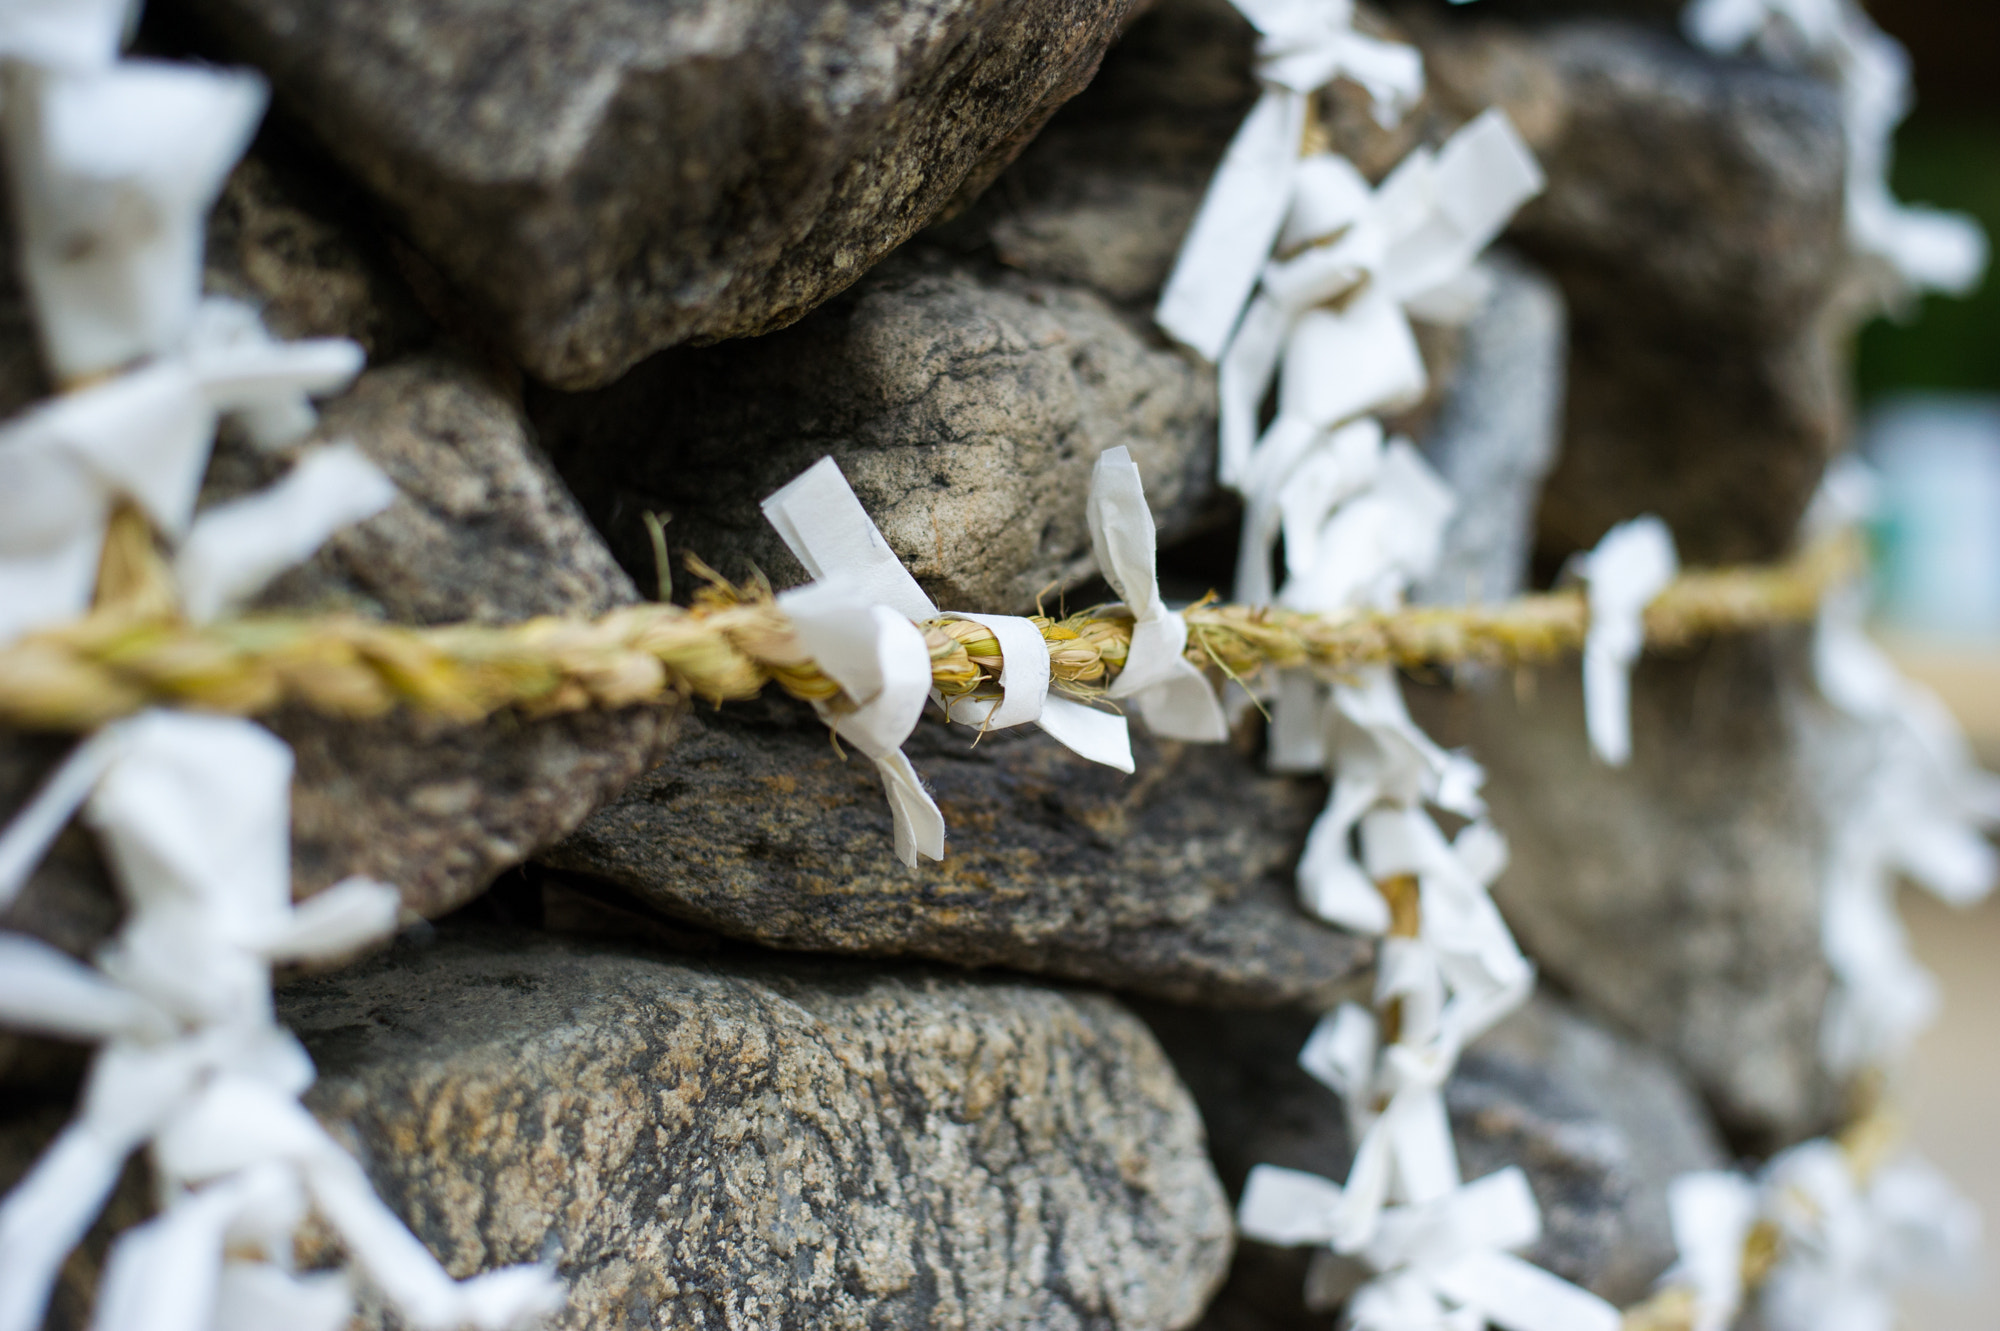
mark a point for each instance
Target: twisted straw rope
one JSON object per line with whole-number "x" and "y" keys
{"x": 134, "y": 650}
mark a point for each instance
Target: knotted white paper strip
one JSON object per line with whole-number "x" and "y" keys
{"x": 1173, "y": 696}
{"x": 1305, "y": 44}
{"x": 827, "y": 530}
{"x": 194, "y": 815}
{"x": 1847, "y": 1248}
{"x": 144, "y": 436}
{"x": 1238, "y": 222}
{"x": 1101, "y": 737}
{"x": 1629, "y": 568}
{"x": 63, "y": 34}
{"x": 823, "y": 524}
{"x": 265, "y": 384}
{"x": 1288, "y": 1207}
{"x": 237, "y": 547}
{"x": 879, "y": 659}
{"x": 1711, "y": 1214}
{"x": 114, "y": 171}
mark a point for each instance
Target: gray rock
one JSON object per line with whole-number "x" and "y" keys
{"x": 1496, "y": 433}
{"x": 1695, "y": 220}
{"x": 704, "y": 1144}
{"x": 966, "y": 407}
{"x": 1601, "y": 1126}
{"x": 482, "y": 530}
{"x": 599, "y": 179}
{"x": 1176, "y": 882}
{"x": 1679, "y": 896}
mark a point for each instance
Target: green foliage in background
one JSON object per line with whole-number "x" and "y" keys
{"x": 1944, "y": 343}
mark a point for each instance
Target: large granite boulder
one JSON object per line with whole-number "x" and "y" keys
{"x": 598, "y": 179}
{"x": 1695, "y": 220}
{"x": 1678, "y": 896}
{"x": 1176, "y": 882}
{"x": 965, "y": 404}
{"x": 711, "y": 1144}
{"x": 1601, "y": 1126}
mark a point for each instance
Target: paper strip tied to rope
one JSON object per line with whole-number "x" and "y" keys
{"x": 113, "y": 173}
{"x": 1443, "y": 1266}
{"x": 1171, "y": 694}
{"x": 194, "y": 815}
{"x": 1630, "y": 567}
{"x": 858, "y": 622}
{"x": 145, "y": 437}
{"x": 1303, "y": 46}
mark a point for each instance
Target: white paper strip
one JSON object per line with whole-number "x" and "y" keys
{"x": 114, "y": 171}
{"x": 1170, "y": 693}
{"x": 828, "y": 531}
{"x": 1631, "y": 566}
{"x": 1024, "y": 675}
{"x": 1238, "y": 223}
{"x": 63, "y": 34}
{"x": 236, "y": 548}
{"x": 878, "y": 657}
{"x": 1287, "y": 1207}
{"x": 1102, "y": 737}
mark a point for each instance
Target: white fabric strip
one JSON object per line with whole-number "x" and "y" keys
{"x": 1631, "y": 566}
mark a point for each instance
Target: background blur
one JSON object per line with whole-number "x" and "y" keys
{"x": 1931, "y": 394}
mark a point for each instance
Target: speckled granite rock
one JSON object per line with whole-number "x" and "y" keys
{"x": 1678, "y": 896}
{"x": 966, "y": 407}
{"x": 604, "y": 178}
{"x": 1695, "y": 219}
{"x": 1600, "y": 1125}
{"x": 1176, "y": 882}
{"x": 706, "y": 1144}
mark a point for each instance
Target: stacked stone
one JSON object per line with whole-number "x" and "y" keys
{"x": 698, "y": 1041}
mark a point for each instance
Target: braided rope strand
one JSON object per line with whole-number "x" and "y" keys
{"x": 733, "y": 641}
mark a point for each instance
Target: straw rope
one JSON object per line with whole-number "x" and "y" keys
{"x": 134, "y": 651}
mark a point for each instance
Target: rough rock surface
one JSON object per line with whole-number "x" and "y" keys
{"x": 482, "y": 530}
{"x": 1695, "y": 220}
{"x": 1495, "y": 435}
{"x": 965, "y": 406}
{"x": 705, "y": 1145}
{"x": 1176, "y": 882}
{"x": 1678, "y": 896}
{"x": 603, "y": 178}
{"x": 1599, "y": 1125}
